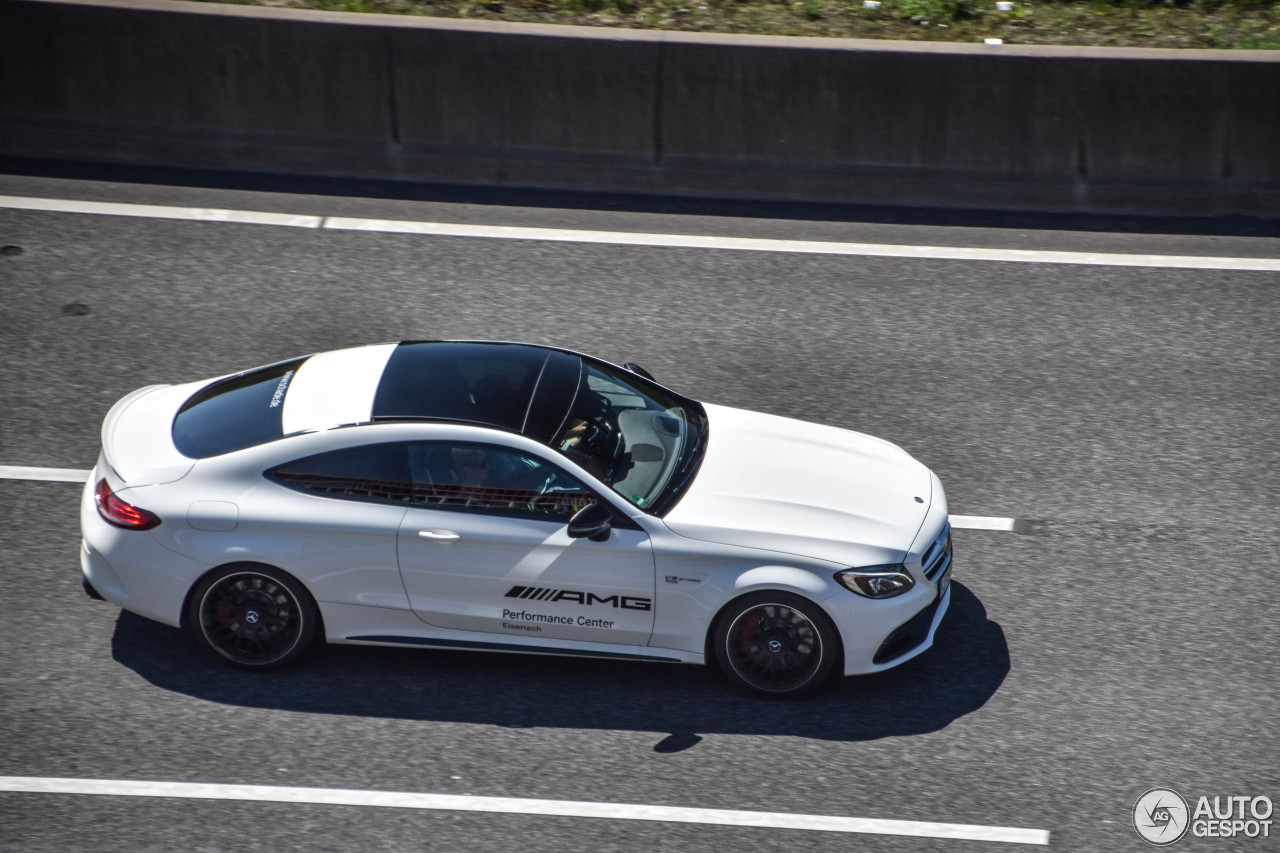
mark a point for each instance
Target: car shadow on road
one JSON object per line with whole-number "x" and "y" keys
{"x": 969, "y": 661}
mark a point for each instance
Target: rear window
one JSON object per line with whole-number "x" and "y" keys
{"x": 239, "y": 412}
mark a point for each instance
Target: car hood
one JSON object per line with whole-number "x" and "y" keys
{"x": 801, "y": 488}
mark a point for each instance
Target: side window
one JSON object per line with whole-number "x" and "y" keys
{"x": 377, "y": 472}
{"x": 493, "y": 479}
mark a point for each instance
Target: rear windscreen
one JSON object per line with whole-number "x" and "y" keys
{"x": 236, "y": 413}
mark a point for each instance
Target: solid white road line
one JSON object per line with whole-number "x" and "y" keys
{"x": 512, "y": 805}
{"x": 48, "y": 475}
{"x": 982, "y": 522}
{"x": 627, "y": 238}
{"x": 752, "y": 244}
{"x": 158, "y": 211}
{"x": 79, "y": 475}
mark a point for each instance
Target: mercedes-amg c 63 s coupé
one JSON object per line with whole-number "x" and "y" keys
{"x": 509, "y": 497}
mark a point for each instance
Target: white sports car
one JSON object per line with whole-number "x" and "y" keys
{"x": 518, "y": 498}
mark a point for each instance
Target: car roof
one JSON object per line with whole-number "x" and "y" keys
{"x": 517, "y": 387}
{"x": 527, "y": 389}
{"x": 522, "y": 388}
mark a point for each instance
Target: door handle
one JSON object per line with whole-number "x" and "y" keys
{"x": 439, "y": 535}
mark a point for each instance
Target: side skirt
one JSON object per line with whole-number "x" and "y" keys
{"x": 388, "y": 639}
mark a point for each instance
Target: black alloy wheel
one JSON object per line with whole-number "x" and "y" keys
{"x": 776, "y": 644}
{"x": 255, "y": 617}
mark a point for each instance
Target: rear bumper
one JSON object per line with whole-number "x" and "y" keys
{"x": 130, "y": 568}
{"x": 89, "y": 590}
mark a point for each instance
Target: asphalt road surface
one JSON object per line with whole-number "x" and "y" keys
{"x": 1124, "y": 639}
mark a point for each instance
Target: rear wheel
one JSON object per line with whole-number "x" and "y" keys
{"x": 775, "y": 644}
{"x": 253, "y": 616}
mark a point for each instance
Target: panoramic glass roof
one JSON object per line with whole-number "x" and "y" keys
{"x": 479, "y": 382}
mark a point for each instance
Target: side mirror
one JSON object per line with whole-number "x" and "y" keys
{"x": 593, "y": 522}
{"x": 639, "y": 371}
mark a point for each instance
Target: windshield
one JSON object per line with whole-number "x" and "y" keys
{"x": 636, "y": 437}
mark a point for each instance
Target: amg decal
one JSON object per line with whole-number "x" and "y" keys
{"x": 537, "y": 593}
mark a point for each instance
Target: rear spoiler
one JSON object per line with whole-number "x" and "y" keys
{"x": 137, "y": 436}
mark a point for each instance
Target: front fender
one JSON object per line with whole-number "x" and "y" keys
{"x": 786, "y": 578}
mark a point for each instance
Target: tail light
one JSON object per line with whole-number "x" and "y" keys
{"x": 121, "y": 514}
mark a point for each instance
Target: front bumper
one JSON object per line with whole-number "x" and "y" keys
{"x": 880, "y": 637}
{"x": 913, "y": 637}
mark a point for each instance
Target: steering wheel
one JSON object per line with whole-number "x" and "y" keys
{"x": 616, "y": 456}
{"x": 589, "y": 429}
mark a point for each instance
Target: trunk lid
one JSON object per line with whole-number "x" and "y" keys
{"x": 137, "y": 436}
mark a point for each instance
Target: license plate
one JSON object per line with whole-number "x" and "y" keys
{"x": 944, "y": 583}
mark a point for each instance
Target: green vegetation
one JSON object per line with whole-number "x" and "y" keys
{"x": 1239, "y": 24}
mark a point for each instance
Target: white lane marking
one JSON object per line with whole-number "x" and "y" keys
{"x": 79, "y": 475}
{"x": 48, "y": 475}
{"x": 158, "y": 211}
{"x": 627, "y": 238}
{"x": 513, "y": 805}
{"x": 754, "y": 244}
{"x": 982, "y": 522}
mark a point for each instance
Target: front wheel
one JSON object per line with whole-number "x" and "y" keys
{"x": 775, "y": 644}
{"x": 255, "y": 617}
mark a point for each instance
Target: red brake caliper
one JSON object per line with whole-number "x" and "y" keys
{"x": 747, "y": 631}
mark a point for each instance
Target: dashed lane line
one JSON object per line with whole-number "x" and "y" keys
{"x": 983, "y": 522}
{"x": 628, "y": 238}
{"x": 521, "y": 806}
{"x": 48, "y": 475}
{"x": 79, "y": 475}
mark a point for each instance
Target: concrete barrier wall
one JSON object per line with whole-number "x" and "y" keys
{"x": 208, "y": 85}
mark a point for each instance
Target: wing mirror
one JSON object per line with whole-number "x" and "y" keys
{"x": 593, "y": 522}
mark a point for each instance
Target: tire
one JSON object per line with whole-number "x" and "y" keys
{"x": 775, "y": 644}
{"x": 252, "y": 616}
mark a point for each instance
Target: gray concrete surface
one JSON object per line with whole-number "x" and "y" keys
{"x": 209, "y": 85}
{"x": 1128, "y": 641}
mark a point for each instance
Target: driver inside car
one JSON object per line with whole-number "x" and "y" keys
{"x": 574, "y": 441}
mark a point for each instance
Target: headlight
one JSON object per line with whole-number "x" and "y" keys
{"x": 877, "y": 581}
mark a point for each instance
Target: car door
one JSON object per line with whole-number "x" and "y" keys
{"x": 485, "y": 547}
